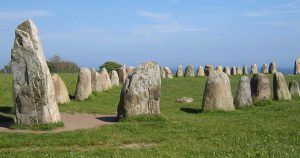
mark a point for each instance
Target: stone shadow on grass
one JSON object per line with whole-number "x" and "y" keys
{"x": 191, "y": 110}
{"x": 108, "y": 118}
{"x": 6, "y": 121}
{"x": 7, "y": 109}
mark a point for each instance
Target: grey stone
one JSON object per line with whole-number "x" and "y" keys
{"x": 114, "y": 78}
{"x": 179, "y": 72}
{"x": 233, "y": 70}
{"x": 105, "y": 82}
{"x": 264, "y": 69}
{"x": 208, "y": 69}
{"x": 122, "y": 73}
{"x": 294, "y": 88}
{"x": 200, "y": 71}
{"x": 129, "y": 70}
{"x": 217, "y": 94}
{"x": 33, "y": 89}
{"x": 168, "y": 73}
{"x": 281, "y": 91}
{"x": 227, "y": 70}
{"x": 243, "y": 95}
{"x": 189, "y": 71}
{"x": 141, "y": 92}
{"x": 272, "y": 68}
{"x": 260, "y": 87}
{"x": 185, "y": 100}
{"x": 254, "y": 69}
{"x": 95, "y": 80}
{"x": 61, "y": 91}
{"x": 219, "y": 68}
{"x": 245, "y": 70}
{"x": 297, "y": 66}
{"x": 162, "y": 72}
{"x": 84, "y": 84}
{"x": 239, "y": 70}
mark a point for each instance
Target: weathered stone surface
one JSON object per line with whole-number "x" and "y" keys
{"x": 208, "y": 69}
{"x": 105, "y": 82}
{"x": 200, "y": 71}
{"x": 233, "y": 70}
{"x": 141, "y": 92}
{"x": 245, "y": 70}
{"x": 227, "y": 70}
{"x": 129, "y": 70}
{"x": 122, "y": 73}
{"x": 179, "y": 72}
{"x": 162, "y": 72}
{"x": 61, "y": 91}
{"x": 219, "y": 68}
{"x": 294, "y": 88}
{"x": 217, "y": 94}
{"x": 260, "y": 87}
{"x": 114, "y": 78}
{"x": 239, "y": 70}
{"x": 264, "y": 69}
{"x": 33, "y": 89}
{"x": 185, "y": 100}
{"x": 84, "y": 84}
{"x": 297, "y": 66}
{"x": 281, "y": 91}
{"x": 168, "y": 73}
{"x": 189, "y": 71}
{"x": 272, "y": 68}
{"x": 243, "y": 94}
{"x": 95, "y": 81}
{"x": 254, "y": 69}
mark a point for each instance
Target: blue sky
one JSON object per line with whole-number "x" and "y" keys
{"x": 171, "y": 32}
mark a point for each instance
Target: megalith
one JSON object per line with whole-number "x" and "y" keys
{"x": 281, "y": 91}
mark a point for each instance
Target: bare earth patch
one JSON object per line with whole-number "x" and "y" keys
{"x": 71, "y": 122}
{"x": 137, "y": 145}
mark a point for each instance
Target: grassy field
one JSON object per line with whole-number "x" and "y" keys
{"x": 182, "y": 130}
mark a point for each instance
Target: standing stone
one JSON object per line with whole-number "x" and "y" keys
{"x": 264, "y": 69}
{"x": 168, "y": 73}
{"x": 114, "y": 78}
{"x": 219, "y": 68}
{"x": 260, "y": 87}
{"x": 33, "y": 89}
{"x": 227, "y": 70}
{"x": 297, "y": 66}
{"x": 294, "y": 88}
{"x": 208, "y": 69}
{"x": 189, "y": 71}
{"x": 179, "y": 72}
{"x": 233, "y": 70}
{"x": 254, "y": 69}
{"x": 141, "y": 92}
{"x": 217, "y": 94}
{"x": 95, "y": 81}
{"x": 122, "y": 73}
{"x": 281, "y": 91}
{"x": 162, "y": 72}
{"x": 245, "y": 70}
{"x": 61, "y": 91}
{"x": 200, "y": 71}
{"x": 243, "y": 95}
{"x": 105, "y": 82}
{"x": 272, "y": 68}
{"x": 84, "y": 84}
{"x": 129, "y": 70}
{"x": 239, "y": 70}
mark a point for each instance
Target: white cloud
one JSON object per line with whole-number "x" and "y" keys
{"x": 154, "y": 15}
{"x": 13, "y": 15}
{"x": 268, "y": 13}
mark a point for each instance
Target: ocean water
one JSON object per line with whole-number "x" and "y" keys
{"x": 284, "y": 70}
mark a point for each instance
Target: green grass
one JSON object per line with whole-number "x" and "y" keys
{"x": 269, "y": 129}
{"x": 44, "y": 127}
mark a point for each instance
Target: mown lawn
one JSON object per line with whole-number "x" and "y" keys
{"x": 182, "y": 130}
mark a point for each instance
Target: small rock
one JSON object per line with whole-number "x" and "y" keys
{"x": 185, "y": 100}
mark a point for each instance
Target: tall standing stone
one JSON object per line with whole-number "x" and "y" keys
{"x": 217, "y": 94}
{"x": 141, "y": 92}
{"x": 264, "y": 69}
{"x": 95, "y": 80}
{"x": 122, "y": 73}
{"x": 162, "y": 72}
{"x": 200, "y": 71}
{"x": 243, "y": 95}
{"x": 260, "y": 87}
{"x": 272, "y": 68}
{"x": 245, "y": 70}
{"x": 33, "y": 89}
{"x": 179, "y": 72}
{"x": 84, "y": 84}
{"x": 233, "y": 70}
{"x": 294, "y": 88}
{"x": 227, "y": 70}
{"x": 168, "y": 73}
{"x": 189, "y": 71}
{"x": 239, "y": 70}
{"x": 254, "y": 69}
{"x": 219, "y": 68}
{"x": 281, "y": 91}
{"x": 61, "y": 91}
{"x": 105, "y": 82}
{"x": 114, "y": 78}
{"x": 129, "y": 70}
{"x": 297, "y": 66}
{"x": 208, "y": 69}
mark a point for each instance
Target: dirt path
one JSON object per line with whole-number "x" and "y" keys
{"x": 71, "y": 122}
